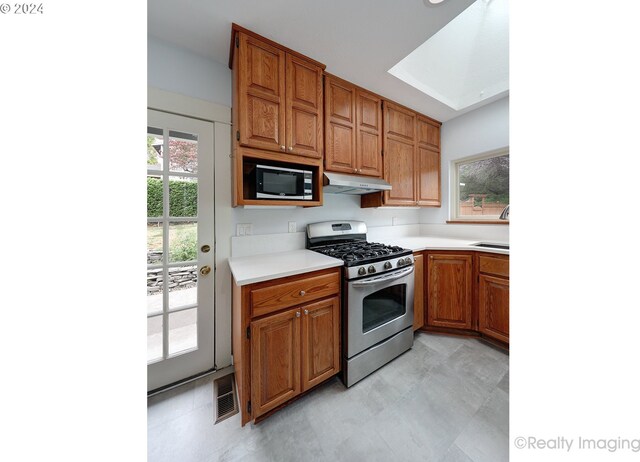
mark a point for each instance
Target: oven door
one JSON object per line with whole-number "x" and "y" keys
{"x": 377, "y": 308}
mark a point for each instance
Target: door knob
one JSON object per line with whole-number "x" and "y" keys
{"x": 205, "y": 270}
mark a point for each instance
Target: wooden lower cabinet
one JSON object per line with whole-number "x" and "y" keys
{"x": 275, "y": 360}
{"x": 418, "y": 292}
{"x": 320, "y": 342}
{"x": 468, "y": 294}
{"x": 493, "y": 307}
{"x": 289, "y": 348}
{"x": 449, "y": 290}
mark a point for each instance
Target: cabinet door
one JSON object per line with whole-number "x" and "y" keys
{"x": 369, "y": 134}
{"x": 493, "y": 307}
{"x": 449, "y": 291}
{"x": 428, "y": 132}
{"x": 304, "y": 108}
{"x": 275, "y": 360}
{"x": 340, "y": 110}
{"x": 320, "y": 341}
{"x": 399, "y": 155}
{"x": 428, "y": 176}
{"x": 261, "y": 94}
{"x": 418, "y": 292}
{"x": 399, "y": 171}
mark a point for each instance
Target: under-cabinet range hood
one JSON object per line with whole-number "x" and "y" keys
{"x": 339, "y": 183}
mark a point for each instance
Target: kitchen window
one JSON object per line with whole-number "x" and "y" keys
{"x": 480, "y": 187}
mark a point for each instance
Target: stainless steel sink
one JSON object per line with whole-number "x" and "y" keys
{"x": 489, "y": 245}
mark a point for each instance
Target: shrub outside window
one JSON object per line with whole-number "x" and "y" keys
{"x": 480, "y": 187}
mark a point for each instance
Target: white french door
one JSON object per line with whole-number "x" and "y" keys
{"x": 180, "y": 247}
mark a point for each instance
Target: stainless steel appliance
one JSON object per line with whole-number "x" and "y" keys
{"x": 339, "y": 183}
{"x": 377, "y": 296}
{"x": 273, "y": 182}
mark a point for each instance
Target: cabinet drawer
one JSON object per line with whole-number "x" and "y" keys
{"x": 493, "y": 265}
{"x": 281, "y": 295}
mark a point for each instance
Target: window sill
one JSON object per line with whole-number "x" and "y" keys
{"x": 478, "y": 222}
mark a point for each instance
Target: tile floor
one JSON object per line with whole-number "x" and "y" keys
{"x": 447, "y": 399}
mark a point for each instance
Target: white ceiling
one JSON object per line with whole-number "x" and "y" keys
{"x": 465, "y": 62}
{"x": 358, "y": 40}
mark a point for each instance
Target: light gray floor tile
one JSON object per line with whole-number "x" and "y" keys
{"x": 443, "y": 400}
{"x": 455, "y": 454}
{"x": 485, "y": 439}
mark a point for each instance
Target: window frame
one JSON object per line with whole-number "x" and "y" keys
{"x": 454, "y": 188}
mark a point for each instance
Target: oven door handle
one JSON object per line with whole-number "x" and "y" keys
{"x": 392, "y": 277}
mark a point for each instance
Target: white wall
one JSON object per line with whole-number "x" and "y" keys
{"x": 180, "y": 71}
{"x": 484, "y": 129}
{"x": 336, "y": 207}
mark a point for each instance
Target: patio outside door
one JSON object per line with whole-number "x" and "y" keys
{"x": 180, "y": 248}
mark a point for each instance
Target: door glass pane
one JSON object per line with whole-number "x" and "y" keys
{"x": 154, "y": 196}
{"x": 183, "y": 290}
{"x": 154, "y": 148}
{"x": 383, "y": 306}
{"x": 154, "y": 290}
{"x": 154, "y": 243}
{"x": 183, "y": 197}
{"x": 183, "y": 330}
{"x": 154, "y": 338}
{"x": 484, "y": 187}
{"x": 183, "y": 152}
{"x": 183, "y": 241}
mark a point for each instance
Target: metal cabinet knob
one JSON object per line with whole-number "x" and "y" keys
{"x": 282, "y": 147}
{"x": 290, "y": 148}
{"x": 306, "y": 312}
{"x": 297, "y": 314}
{"x": 355, "y": 170}
{"x": 205, "y": 270}
{"x": 302, "y": 292}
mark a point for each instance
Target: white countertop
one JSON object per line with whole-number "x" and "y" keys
{"x": 419, "y": 243}
{"x": 247, "y": 270}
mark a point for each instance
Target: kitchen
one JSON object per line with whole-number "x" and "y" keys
{"x": 327, "y": 185}
{"x": 76, "y": 372}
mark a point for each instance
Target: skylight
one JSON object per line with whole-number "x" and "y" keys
{"x": 465, "y": 62}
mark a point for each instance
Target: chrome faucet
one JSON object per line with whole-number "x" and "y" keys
{"x": 505, "y": 213}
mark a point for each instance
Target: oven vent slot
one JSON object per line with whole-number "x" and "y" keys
{"x": 225, "y": 392}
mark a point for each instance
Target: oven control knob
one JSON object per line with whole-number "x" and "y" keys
{"x": 388, "y": 265}
{"x": 362, "y": 271}
{"x": 371, "y": 269}
{"x": 401, "y": 262}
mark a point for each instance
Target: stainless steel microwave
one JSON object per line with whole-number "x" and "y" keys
{"x": 283, "y": 183}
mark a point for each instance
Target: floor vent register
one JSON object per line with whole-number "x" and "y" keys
{"x": 225, "y": 392}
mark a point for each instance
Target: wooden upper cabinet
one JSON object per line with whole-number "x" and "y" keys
{"x": 411, "y": 159}
{"x": 340, "y": 124}
{"x": 353, "y": 128}
{"x": 279, "y": 101}
{"x": 261, "y": 94}
{"x": 303, "y": 108}
{"x": 428, "y": 162}
{"x": 399, "y": 155}
{"x": 449, "y": 290}
{"x": 428, "y": 133}
{"x": 368, "y": 133}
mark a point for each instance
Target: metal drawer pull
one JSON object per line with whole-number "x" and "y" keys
{"x": 306, "y": 312}
{"x": 302, "y": 292}
{"x": 297, "y": 314}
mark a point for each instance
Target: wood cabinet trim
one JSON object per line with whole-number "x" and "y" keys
{"x": 235, "y": 29}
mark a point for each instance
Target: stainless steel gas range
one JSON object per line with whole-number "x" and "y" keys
{"x": 377, "y": 295}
